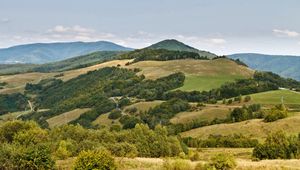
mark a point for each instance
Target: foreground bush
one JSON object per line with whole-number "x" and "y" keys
{"x": 96, "y": 160}
{"x": 222, "y": 162}
{"x": 33, "y": 157}
{"x": 178, "y": 164}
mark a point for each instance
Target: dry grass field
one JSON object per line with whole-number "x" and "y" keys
{"x": 143, "y": 106}
{"x": 255, "y": 128}
{"x": 242, "y": 155}
{"x": 66, "y": 117}
{"x": 208, "y": 113}
{"x": 103, "y": 120}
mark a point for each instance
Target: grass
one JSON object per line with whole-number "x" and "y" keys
{"x": 143, "y": 106}
{"x": 207, "y": 113}
{"x": 200, "y": 74}
{"x": 103, "y": 120}
{"x": 274, "y": 97}
{"x": 254, "y": 128}
{"x": 66, "y": 117}
{"x": 205, "y": 83}
{"x": 12, "y": 116}
{"x": 242, "y": 155}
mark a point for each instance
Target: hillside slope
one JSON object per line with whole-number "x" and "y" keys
{"x": 287, "y": 66}
{"x": 200, "y": 74}
{"x": 49, "y": 52}
{"x": 174, "y": 45}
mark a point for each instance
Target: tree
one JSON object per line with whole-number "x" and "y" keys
{"x": 115, "y": 114}
{"x": 277, "y": 145}
{"x": 96, "y": 160}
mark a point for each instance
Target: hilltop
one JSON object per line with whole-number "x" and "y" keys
{"x": 40, "y": 53}
{"x": 174, "y": 45}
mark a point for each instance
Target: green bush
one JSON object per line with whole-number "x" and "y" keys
{"x": 222, "y": 162}
{"x": 96, "y": 160}
{"x": 178, "y": 164}
{"x": 115, "y": 114}
{"x": 276, "y": 113}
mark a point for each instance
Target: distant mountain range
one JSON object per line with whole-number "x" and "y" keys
{"x": 174, "y": 45}
{"x": 40, "y": 53}
{"x": 287, "y": 66}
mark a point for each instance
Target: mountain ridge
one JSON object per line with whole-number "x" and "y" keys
{"x": 284, "y": 65}
{"x": 40, "y": 53}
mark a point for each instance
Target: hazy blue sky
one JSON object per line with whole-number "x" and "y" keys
{"x": 220, "y": 26}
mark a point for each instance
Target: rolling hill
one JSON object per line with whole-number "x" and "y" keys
{"x": 174, "y": 45}
{"x": 287, "y": 66}
{"x": 49, "y": 52}
{"x": 200, "y": 74}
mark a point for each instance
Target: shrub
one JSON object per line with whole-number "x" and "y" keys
{"x": 223, "y": 162}
{"x": 247, "y": 98}
{"x": 101, "y": 160}
{"x": 178, "y": 164}
{"x": 276, "y": 113}
{"x": 115, "y": 114}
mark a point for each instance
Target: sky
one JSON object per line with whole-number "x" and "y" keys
{"x": 220, "y": 26}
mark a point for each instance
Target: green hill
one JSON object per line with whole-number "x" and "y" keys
{"x": 174, "y": 45}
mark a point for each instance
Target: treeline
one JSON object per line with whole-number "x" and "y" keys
{"x": 24, "y": 145}
{"x": 12, "y": 103}
{"x": 160, "y": 55}
{"x": 216, "y": 141}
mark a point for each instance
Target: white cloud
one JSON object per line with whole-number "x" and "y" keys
{"x": 76, "y": 33}
{"x": 217, "y": 41}
{"x": 285, "y": 33}
{"x": 4, "y": 20}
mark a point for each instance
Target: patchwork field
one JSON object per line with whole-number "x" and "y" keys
{"x": 255, "y": 128}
